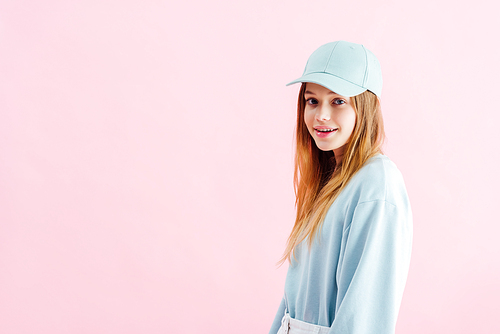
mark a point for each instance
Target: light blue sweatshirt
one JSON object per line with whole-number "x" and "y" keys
{"x": 352, "y": 279}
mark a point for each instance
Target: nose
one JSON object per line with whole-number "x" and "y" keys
{"x": 322, "y": 114}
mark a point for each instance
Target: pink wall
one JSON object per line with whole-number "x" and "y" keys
{"x": 146, "y": 158}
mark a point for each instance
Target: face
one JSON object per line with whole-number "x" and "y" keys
{"x": 329, "y": 117}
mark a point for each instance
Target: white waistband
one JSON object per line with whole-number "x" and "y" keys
{"x": 294, "y": 326}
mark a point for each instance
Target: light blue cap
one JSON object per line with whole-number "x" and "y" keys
{"x": 347, "y": 69}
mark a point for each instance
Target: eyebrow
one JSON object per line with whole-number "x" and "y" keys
{"x": 309, "y": 92}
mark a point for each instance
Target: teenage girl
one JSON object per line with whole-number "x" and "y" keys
{"x": 349, "y": 250}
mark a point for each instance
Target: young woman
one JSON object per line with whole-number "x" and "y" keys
{"x": 349, "y": 250}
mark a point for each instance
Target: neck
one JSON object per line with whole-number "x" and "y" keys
{"x": 339, "y": 153}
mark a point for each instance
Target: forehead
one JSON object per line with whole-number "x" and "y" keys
{"x": 312, "y": 88}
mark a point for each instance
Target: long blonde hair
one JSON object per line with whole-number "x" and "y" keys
{"x": 317, "y": 181}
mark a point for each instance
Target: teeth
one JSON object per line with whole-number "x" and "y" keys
{"x": 325, "y": 130}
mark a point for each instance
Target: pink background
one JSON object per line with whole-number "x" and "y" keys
{"x": 146, "y": 158}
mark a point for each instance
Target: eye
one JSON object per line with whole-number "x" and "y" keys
{"x": 311, "y": 101}
{"x": 338, "y": 101}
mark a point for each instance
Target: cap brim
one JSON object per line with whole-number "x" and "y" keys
{"x": 333, "y": 83}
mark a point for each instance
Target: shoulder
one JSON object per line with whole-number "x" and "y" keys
{"x": 378, "y": 179}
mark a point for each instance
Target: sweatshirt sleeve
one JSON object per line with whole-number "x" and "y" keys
{"x": 277, "y": 319}
{"x": 373, "y": 267}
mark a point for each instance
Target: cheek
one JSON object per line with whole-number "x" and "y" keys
{"x": 308, "y": 120}
{"x": 348, "y": 120}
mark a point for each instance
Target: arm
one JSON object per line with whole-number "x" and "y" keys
{"x": 277, "y": 319}
{"x": 372, "y": 269}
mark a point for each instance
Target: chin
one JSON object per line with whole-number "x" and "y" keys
{"x": 325, "y": 148}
